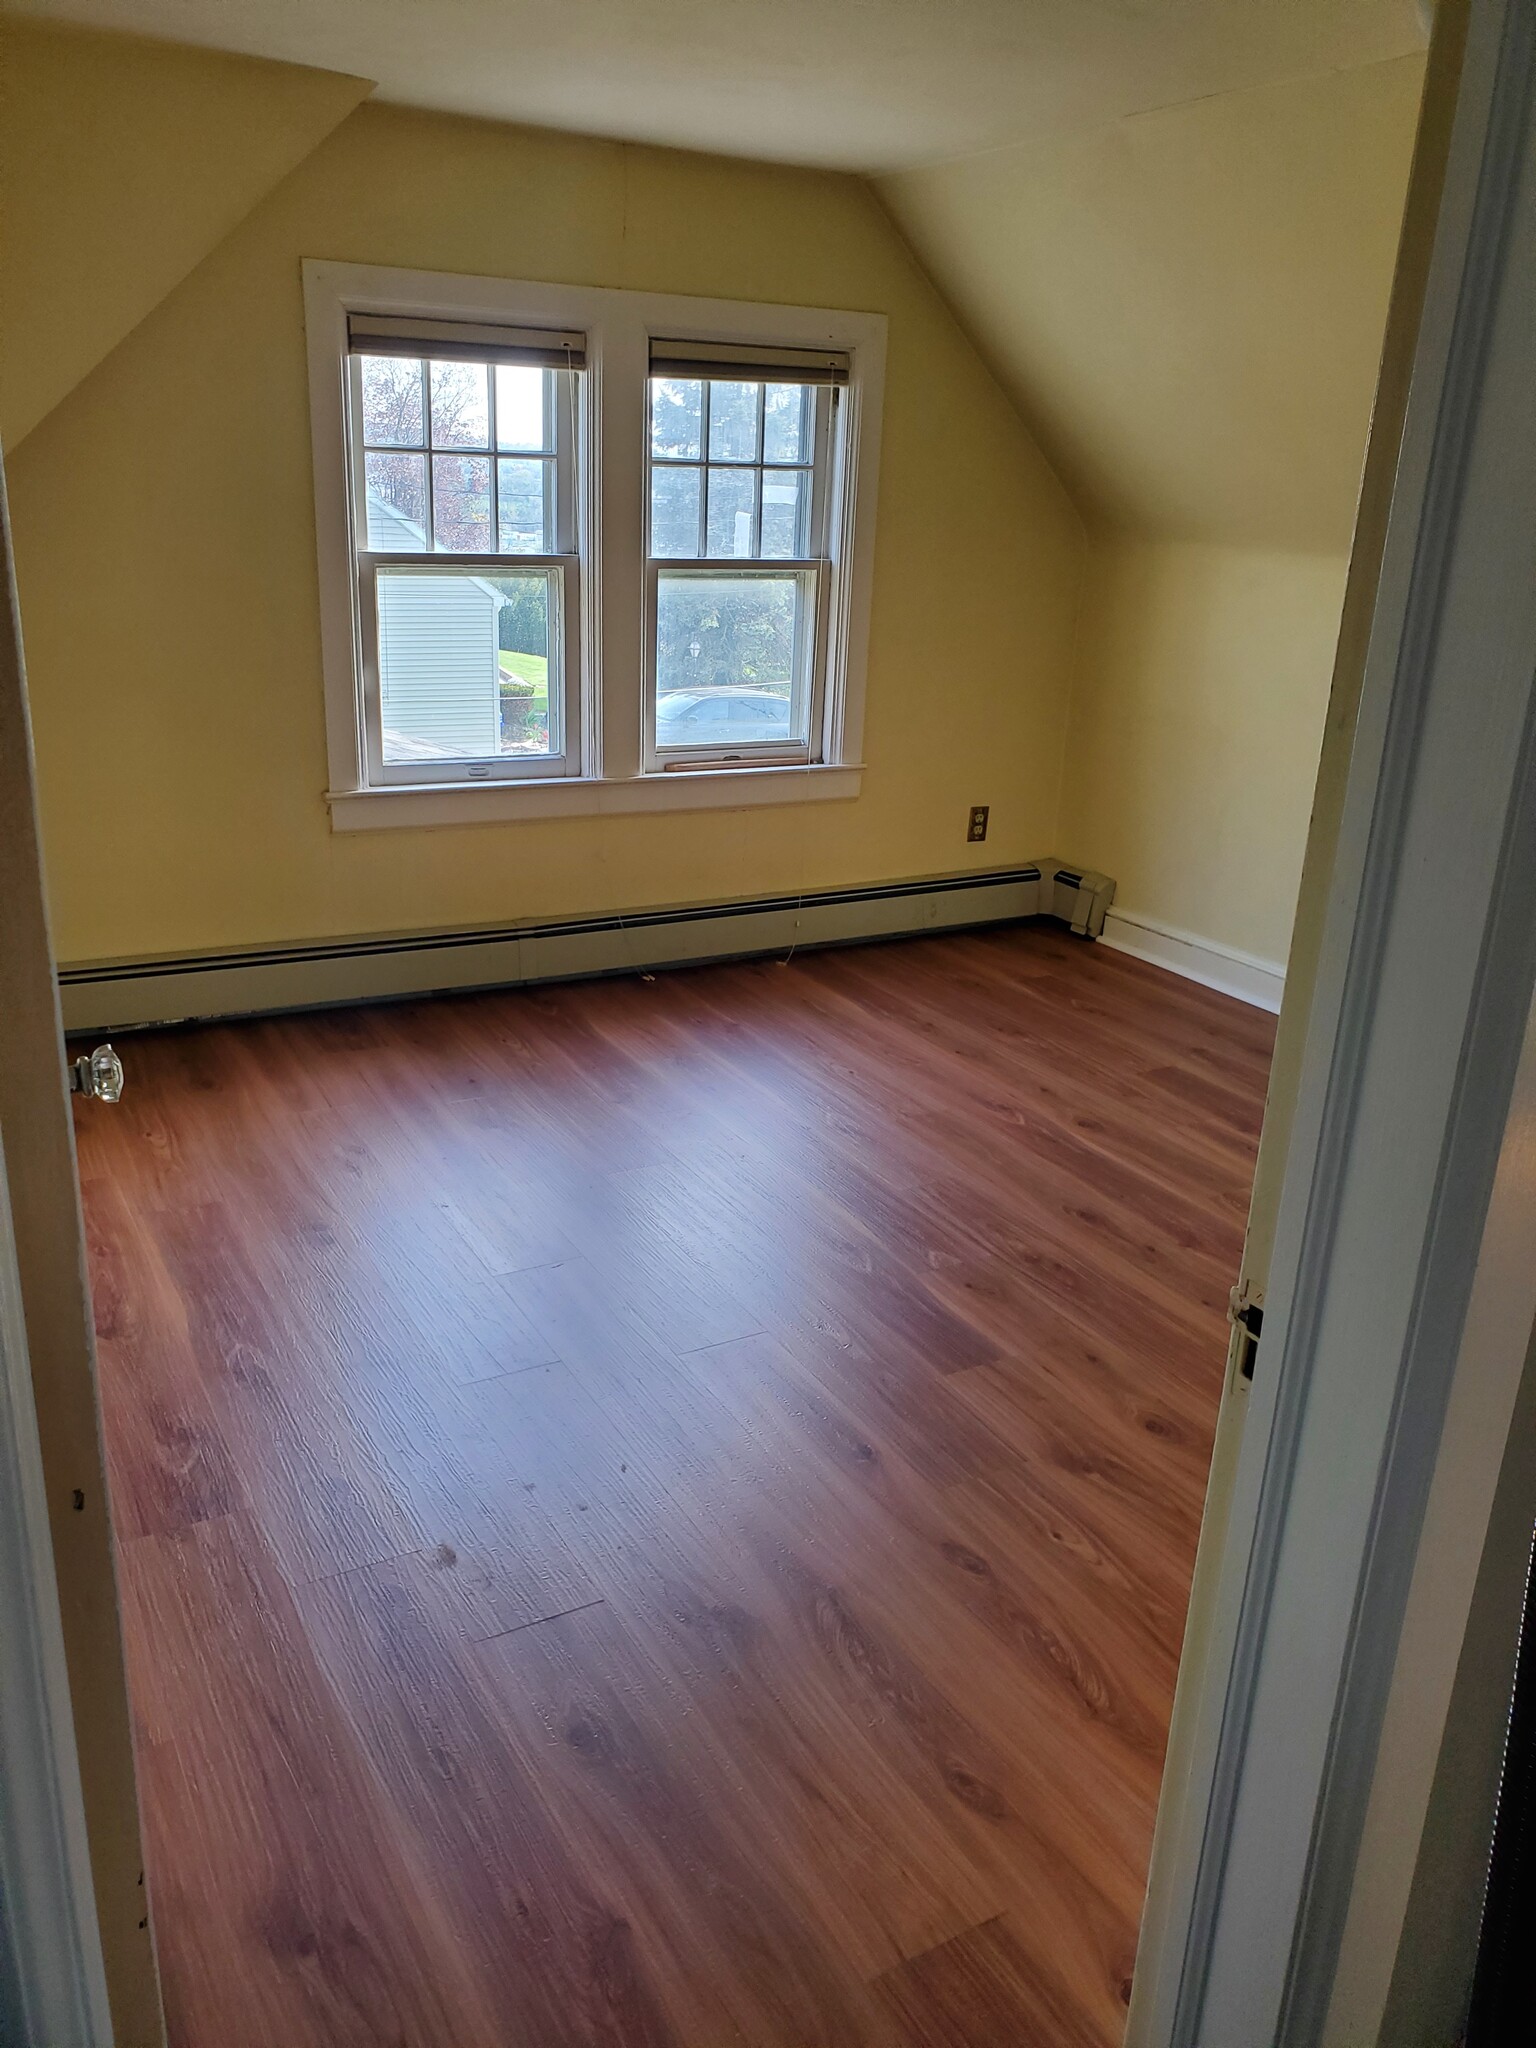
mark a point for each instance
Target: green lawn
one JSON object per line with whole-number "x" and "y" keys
{"x": 524, "y": 669}
{"x": 528, "y": 668}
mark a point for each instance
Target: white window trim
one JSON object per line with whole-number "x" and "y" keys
{"x": 611, "y": 629}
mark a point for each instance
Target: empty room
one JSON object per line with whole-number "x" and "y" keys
{"x": 677, "y": 658}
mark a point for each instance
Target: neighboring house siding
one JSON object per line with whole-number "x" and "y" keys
{"x": 438, "y": 667}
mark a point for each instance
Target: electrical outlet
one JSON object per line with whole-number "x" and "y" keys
{"x": 977, "y": 829}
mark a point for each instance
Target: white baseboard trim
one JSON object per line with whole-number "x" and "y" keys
{"x": 121, "y": 995}
{"x": 1244, "y": 975}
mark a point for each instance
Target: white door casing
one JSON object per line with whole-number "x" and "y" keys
{"x": 1423, "y": 987}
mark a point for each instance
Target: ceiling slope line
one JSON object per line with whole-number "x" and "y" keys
{"x": 124, "y": 162}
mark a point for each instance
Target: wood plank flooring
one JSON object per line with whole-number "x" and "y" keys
{"x": 656, "y": 1514}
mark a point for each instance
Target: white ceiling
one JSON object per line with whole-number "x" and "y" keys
{"x": 866, "y": 85}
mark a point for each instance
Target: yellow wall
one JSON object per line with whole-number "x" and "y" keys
{"x": 122, "y": 163}
{"x": 1188, "y": 305}
{"x": 166, "y": 553}
{"x": 1196, "y": 720}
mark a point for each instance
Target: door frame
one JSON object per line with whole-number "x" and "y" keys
{"x": 1409, "y": 1043}
{"x": 53, "y": 1985}
{"x": 79, "y": 1929}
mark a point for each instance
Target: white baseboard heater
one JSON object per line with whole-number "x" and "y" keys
{"x": 120, "y": 995}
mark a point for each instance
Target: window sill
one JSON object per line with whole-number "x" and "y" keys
{"x": 579, "y": 796}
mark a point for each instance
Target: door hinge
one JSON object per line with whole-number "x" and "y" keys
{"x": 1245, "y": 1312}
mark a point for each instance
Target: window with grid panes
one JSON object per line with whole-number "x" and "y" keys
{"x": 742, "y": 448}
{"x": 464, "y": 517}
{"x": 562, "y": 557}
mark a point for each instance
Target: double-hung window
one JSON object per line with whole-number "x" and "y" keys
{"x": 587, "y": 550}
{"x": 739, "y": 571}
{"x": 465, "y": 540}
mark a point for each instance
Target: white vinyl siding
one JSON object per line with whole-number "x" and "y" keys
{"x": 439, "y": 670}
{"x": 391, "y": 529}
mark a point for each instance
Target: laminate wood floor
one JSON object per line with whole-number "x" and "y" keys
{"x": 660, "y": 1512}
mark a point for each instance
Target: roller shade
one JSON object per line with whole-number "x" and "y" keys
{"x": 382, "y": 334}
{"x": 749, "y": 362}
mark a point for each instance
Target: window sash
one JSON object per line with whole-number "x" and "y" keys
{"x": 563, "y": 524}
{"x": 808, "y": 683}
{"x": 816, "y": 567}
{"x": 564, "y": 670}
{"x": 562, "y": 435}
{"x": 824, "y": 423}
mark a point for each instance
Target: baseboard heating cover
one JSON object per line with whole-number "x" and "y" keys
{"x": 119, "y": 995}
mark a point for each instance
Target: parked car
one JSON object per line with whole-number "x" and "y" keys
{"x": 729, "y": 716}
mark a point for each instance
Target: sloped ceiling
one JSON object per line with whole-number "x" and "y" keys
{"x": 1177, "y": 262}
{"x": 1187, "y": 305}
{"x": 861, "y": 85}
{"x": 122, "y": 164}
